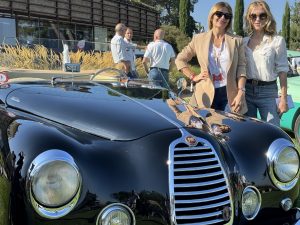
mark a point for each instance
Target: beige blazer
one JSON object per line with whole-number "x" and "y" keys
{"x": 204, "y": 90}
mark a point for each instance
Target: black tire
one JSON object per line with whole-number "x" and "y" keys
{"x": 297, "y": 129}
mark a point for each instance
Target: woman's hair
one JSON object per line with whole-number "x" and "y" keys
{"x": 216, "y": 7}
{"x": 270, "y": 27}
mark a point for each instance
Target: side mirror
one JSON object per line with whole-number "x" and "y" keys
{"x": 181, "y": 85}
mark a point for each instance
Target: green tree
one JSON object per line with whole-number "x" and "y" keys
{"x": 176, "y": 37}
{"x": 238, "y": 17}
{"x": 169, "y": 10}
{"x": 294, "y": 42}
{"x": 184, "y": 12}
{"x": 187, "y": 24}
{"x": 286, "y": 24}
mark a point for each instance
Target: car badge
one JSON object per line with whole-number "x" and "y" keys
{"x": 3, "y": 77}
{"x": 191, "y": 141}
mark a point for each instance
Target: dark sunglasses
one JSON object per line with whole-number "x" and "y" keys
{"x": 227, "y": 16}
{"x": 262, "y": 16}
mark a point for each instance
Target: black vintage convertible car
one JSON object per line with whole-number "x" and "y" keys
{"x": 105, "y": 150}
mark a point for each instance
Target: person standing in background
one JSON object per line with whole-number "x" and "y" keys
{"x": 266, "y": 57}
{"x": 130, "y": 48}
{"x": 159, "y": 54}
{"x": 118, "y": 49}
{"x": 221, "y": 56}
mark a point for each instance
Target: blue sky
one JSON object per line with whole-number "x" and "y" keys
{"x": 202, "y": 9}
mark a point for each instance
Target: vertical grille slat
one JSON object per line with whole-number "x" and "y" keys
{"x": 200, "y": 216}
{"x": 192, "y": 148}
{"x": 204, "y": 207}
{"x": 204, "y": 223}
{"x": 193, "y": 155}
{"x": 199, "y": 175}
{"x": 201, "y": 200}
{"x": 196, "y": 168}
{"x": 201, "y": 192}
{"x": 194, "y": 161}
{"x": 199, "y": 186}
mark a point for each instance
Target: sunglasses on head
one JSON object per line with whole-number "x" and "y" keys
{"x": 227, "y": 16}
{"x": 261, "y": 16}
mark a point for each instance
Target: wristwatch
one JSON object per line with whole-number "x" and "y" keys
{"x": 242, "y": 89}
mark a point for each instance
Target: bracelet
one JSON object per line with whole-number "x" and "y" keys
{"x": 242, "y": 89}
{"x": 192, "y": 77}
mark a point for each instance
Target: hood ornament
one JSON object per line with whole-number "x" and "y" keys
{"x": 191, "y": 141}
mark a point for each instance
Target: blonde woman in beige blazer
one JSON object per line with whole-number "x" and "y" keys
{"x": 217, "y": 50}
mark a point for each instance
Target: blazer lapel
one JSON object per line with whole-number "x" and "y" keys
{"x": 230, "y": 44}
{"x": 204, "y": 90}
{"x": 205, "y": 49}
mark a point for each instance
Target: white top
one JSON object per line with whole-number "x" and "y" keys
{"x": 130, "y": 49}
{"x": 118, "y": 49}
{"x": 267, "y": 59}
{"x": 218, "y": 63}
{"x": 159, "y": 53}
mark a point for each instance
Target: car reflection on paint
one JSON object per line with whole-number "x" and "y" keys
{"x": 105, "y": 150}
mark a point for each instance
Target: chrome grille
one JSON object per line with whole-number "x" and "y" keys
{"x": 198, "y": 185}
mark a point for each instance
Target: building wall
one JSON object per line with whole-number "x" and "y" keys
{"x": 104, "y": 13}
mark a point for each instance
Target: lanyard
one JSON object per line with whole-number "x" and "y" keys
{"x": 217, "y": 54}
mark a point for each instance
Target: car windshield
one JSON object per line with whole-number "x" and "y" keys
{"x": 110, "y": 76}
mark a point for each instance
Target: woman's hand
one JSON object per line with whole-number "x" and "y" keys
{"x": 237, "y": 101}
{"x": 202, "y": 76}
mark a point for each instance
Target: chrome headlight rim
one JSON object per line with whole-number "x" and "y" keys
{"x": 41, "y": 160}
{"x": 273, "y": 153}
{"x": 254, "y": 189}
{"x": 112, "y": 207}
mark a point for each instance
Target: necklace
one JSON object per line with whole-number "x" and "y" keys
{"x": 217, "y": 54}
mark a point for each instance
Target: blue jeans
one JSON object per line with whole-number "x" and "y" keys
{"x": 262, "y": 99}
{"x": 159, "y": 77}
{"x": 133, "y": 74}
{"x": 220, "y": 99}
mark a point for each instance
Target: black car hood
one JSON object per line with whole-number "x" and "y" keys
{"x": 97, "y": 109}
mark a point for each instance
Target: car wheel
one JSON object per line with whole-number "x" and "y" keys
{"x": 297, "y": 129}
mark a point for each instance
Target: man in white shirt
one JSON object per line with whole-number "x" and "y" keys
{"x": 130, "y": 48}
{"x": 118, "y": 49}
{"x": 159, "y": 54}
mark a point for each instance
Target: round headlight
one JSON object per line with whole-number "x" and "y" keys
{"x": 54, "y": 183}
{"x": 286, "y": 164}
{"x": 116, "y": 214}
{"x": 251, "y": 201}
{"x": 283, "y": 163}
